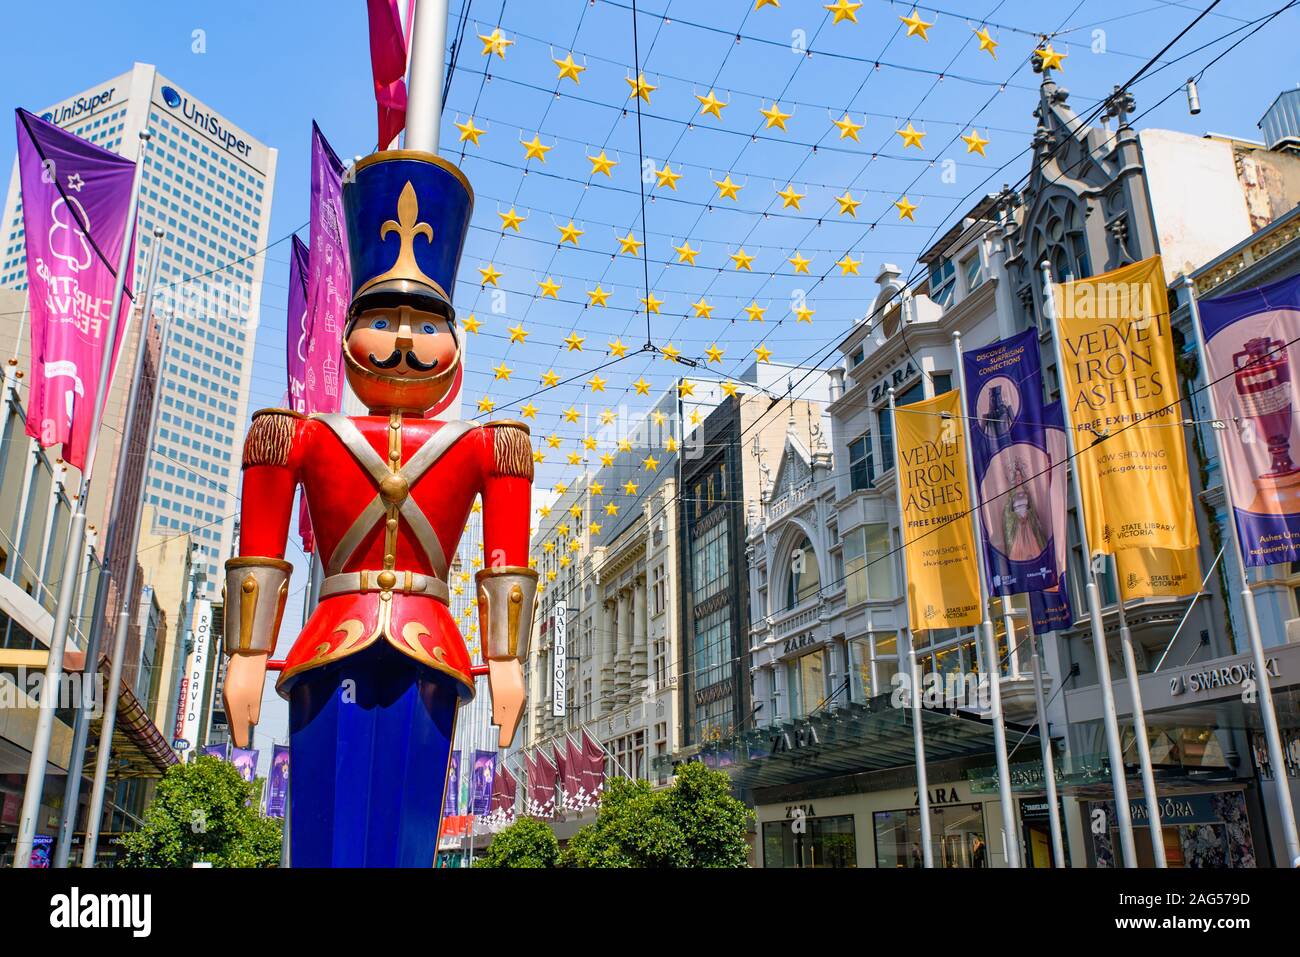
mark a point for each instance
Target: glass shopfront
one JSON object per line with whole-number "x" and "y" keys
{"x": 956, "y": 837}
{"x": 810, "y": 842}
{"x": 1199, "y": 830}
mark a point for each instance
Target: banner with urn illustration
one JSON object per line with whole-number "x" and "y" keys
{"x": 1254, "y": 368}
{"x": 939, "y": 540}
{"x": 1121, "y": 396}
{"x": 1050, "y": 609}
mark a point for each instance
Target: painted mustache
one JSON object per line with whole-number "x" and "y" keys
{"x": 412, "y": 360}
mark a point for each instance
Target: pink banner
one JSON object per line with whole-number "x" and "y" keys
{"x": 75, "y": 197}
{"x": 329, "y": 281}
{"x": 388, "y": 67}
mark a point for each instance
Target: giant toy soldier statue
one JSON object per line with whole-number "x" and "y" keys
{"x": 375, "y": 679}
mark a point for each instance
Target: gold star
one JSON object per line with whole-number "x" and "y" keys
{"x": 570, "y": 233}
{"x": 606, "y": 416}
{"x": 714, "y": 353}
{"x": 803, "y": 313}
{"x": 651, "y": 304}
{"x": 742, "y": 259}
{"x": 729, "y": 389}
{"x": 568, "y": 68}
{"x": 658, "y": 417}
{"x": 535, "y": 149}
{"x": 775, "y": 117}
{"x": 564, "y": 563}
{"x": 611, "y": 508}
{"x": 594, "y": 528}
{"x": 589, "y": 443}
{"x": 1049, "y": 59}
{"x": 489, "y": 275}
{"x": 760, "y": 4}
{"x": 494, "y": 42}
{"x": 549, "y": 379}
{"x": 726, "y": 188}
{"x": 848, "y": 205}
{"x": 789, "y": 197}
{"x": 528, "y": 411}
{"x": 987, "y": 43}
{"x": 666, "y": 177}
{"x": 598, "y": 296}
{"x": 975, "y": 143}
{"x": 650, "y": 462}
{"x": 486, "y": 405}
{"x": 597, "y": 384}
{"x": 685, "y": 388}
{"x": 905, "y": 209}
{"x": 799, "y": 262}
{"x": 703, "y": 310}
{"x": 670, "y": 352}
{"x": 916, "y": 27}
{"x": 642, "y": 387}
{"x": 848, "y": 129}
{"x": 695, "y": 418}
{"x": 553, "y": 440}
{"x": 607, "y": 459}
{"x": 510, "y": 220}
{"x": 911, "y": 136}
{"x": 502, "y": 372}
{"x": 560, "y": 488}
{"x": 685, "y": 254}
{"x": 640, "y": 87}
{"x": 549, "y": 288}
{"x": 571, "y": 414}
{"x": 518, "y": 334}
{"x": 670, "y": 444}
{"x": 755, "y": 312}
{"x": 629, "y": 244}
{"x": 763, "y": 353}
{"x": 574, "y": 342}
{"x": 601, "y": 164}
{"x": 625, "y": 445}
{"x": 843, "y": 10}
{"x": 849, "y": 266}
{"x": 574, "y": 459}
{"x": 630, "y": 487}
{"x": 470, "y": 324}
{"x": 468, "y": 131}
{"x": 710, "y": 104}
{"x": 617, "y": 349}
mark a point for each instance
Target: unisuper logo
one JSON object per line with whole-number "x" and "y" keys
{"x": 79, "y": 107}
{"x": 207, "y": 122}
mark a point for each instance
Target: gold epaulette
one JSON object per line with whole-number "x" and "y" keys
{"x": 270, "y": 437}
{"x": 512, "y": 452}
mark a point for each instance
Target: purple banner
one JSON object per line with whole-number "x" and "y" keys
{"x": 217, "y": 751}
{"x": 1253, "y": 364}
{"x": 277, "y": 790}
{"x": 1050, "y": 608}
{"x": 485, "y": 768}
{"x": 245, "y": 762}
{"x": 297, "y": 335}
{"x": 329, "y": 280}
{"x": 451, "y": 796}
{"x": 75, "y": 199}
{"x": 1004, "y": 399}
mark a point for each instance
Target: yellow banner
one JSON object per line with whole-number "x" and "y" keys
{"x": 1158, "y": 572}
{"x": 1121, "y": 398}
{"x": 939, "y": 544}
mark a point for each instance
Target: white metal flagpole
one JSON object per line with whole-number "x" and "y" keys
{"x": 428, "y": 56}
{"x": 913, "y": 671}
{"x": 1010, "y": 833}
{"x": 1119, "y": 787}
{"x": 1045, "y": 743}
{"x": 1263, "y": 685}
{"x": 76, "y": 536}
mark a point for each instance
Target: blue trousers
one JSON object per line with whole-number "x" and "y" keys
{"x": 370, "y": 743}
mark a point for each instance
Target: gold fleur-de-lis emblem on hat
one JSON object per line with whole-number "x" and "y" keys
{"x": 407, "y": 226}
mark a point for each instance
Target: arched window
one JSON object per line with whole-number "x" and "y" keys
{"x": 804, "y": 579}
{"x": 1062, "y": 240}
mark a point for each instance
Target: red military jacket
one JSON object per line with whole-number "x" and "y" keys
{"x": 386, "y": 494}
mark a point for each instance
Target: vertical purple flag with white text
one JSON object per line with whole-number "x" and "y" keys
{"x": 245, "y": 762}
{"x": 451, "y": 796}
{"x": 329, "y": 280}
{"x": 1050, "y": 608}
{"x": 278, "y": 785}
{"x": 297, "y": 332}
{"x": 485, "y": 767}
{"x": 76, "y": 197}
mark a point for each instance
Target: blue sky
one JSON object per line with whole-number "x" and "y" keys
{"x": 274, "y": 66}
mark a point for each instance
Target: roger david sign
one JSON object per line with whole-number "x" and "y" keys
{"x": 194, "y": 686}
{"x": 559, "y": 659}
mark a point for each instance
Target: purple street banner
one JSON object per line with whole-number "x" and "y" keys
{"x": 75, "y": 198}
{"x": 245, "y": 762}
{"x": 485, "y": 768}
{"x": 329, "y": 281}
{"x": 298, "y": 333}
{"x": 1004, "y": 398}
{"x": 277, "y": 790}
{"x": 217, "y": 751}
{"x": 451, "y": 796}
{"x": 1050, "y": 608}
{"x": 1254, "y": 369}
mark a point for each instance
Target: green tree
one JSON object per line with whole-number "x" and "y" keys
{"x": 694, "y": 823}
{"x": 526, "y": 843}
{"x": 203, "y": 811}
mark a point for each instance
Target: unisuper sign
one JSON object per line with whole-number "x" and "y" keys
{"x": 66, "y": 112}
{"x": 207, "y": 122}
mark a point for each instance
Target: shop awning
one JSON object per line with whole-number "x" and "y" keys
{"x": 141, "y": 749}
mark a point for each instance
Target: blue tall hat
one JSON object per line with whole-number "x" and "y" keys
{"x": 407, "y": 215}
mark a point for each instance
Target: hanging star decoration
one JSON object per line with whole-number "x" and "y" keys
{"x": 843, "y": 10}
{"x": 774, "y": 116}
{"x": 763, "y": 353}
{"x": 803, "y": 313}
{"x": 848, "y": 129}
{"x": 651, "y": 304}
{"x": 975, "y": 143}
{"x": 726, "y": 188}
{"x": 488, "y": 275}
{"x": 470, "y": 132}
{"x": 789, "y": 197}
{"x": 598, "y": 296}
{"x": 495, "y": 42}
{"x": 713, "y": 353}
{"x": 799, "y": 262}
{"x": 905, "y": 209}
{"x": 1050, "y": 59}
{"x": 550, "y": 288}
{"x": 987, "y": 43}
{"x": 629, "y": 244}
{"x": 911, "y": 136}
{"x": 711, "y": 104}
{"x": 742, "y": 260}
{"x": 601, "y": 164}
{"x": 640, "y": 88}
{"x": 574, "y": 342}
{"x": 568, "y": 69}
{"x": 570, "y": 233}
{"x": 685, "y": 254}
{"x": 848, "y": 205}
{"x": 666, "y": 177}
{"x": 703, "y": 309}
{"x": 755, "y": 311}
{"x": 617, "y": 349}
{"x": 510, "y": 220}
{"x": 471, "y": 324}
{"x": 916, "y": 27}
{"x": 848, "y": 265}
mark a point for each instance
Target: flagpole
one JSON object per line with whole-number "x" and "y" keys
{"x": 132, "y": 519}
{"x": 1115, "y": 752}
{"x": 913, "y": 671}
{"x": 1010, "y": 833}
{"x": 76, "y": 536}
{"x": 90, "y": 670}
{"x": 427, "y": 56}
{"x": 1045, "y": 745}
{"x": 1263, "y": 685}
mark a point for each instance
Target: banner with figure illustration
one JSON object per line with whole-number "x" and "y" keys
{"x": 1121, "y": 396}
{"x": 1050, "y": 609}
{"x": 1004, "y": 404}
{"x": 277, "y": 788}
{"x": 939, "y": 540}
{"x": 1253, "y": 360}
